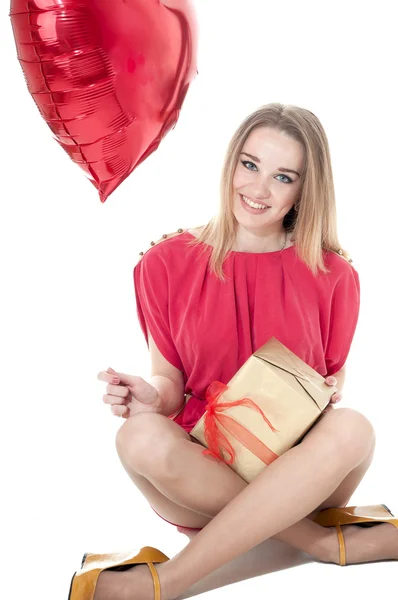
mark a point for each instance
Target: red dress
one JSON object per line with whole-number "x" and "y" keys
{"x": 208, "y": 328}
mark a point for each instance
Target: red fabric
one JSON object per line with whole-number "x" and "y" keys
{"x": 208, "y": 328}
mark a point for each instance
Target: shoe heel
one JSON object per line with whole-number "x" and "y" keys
{"x": 83, "y": 559}
{"x": 386, "y": 507}
{"x": 363, "y": 516}
{"x": 84, "y": 581}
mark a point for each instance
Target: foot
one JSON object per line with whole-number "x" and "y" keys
{"x": 134, "y": 584}
{"x": 376, "y": 543}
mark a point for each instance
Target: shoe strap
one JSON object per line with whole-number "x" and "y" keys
{"x": 341, "y": 546}
{"x": 156, "y": 581}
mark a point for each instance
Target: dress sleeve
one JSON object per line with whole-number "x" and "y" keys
{"x": 151, "y": 286}
{"x": 343, "y": 320}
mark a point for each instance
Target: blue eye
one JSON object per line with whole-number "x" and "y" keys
{"x": 247, "y": 162}
{"x": 286, "y": 177}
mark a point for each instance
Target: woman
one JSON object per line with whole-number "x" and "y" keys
{"x": 268, "y": 264}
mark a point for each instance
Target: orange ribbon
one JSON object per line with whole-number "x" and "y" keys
{"x": 216, "y": 441}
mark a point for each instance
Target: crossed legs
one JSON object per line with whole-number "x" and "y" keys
{"x": 189, "y": 489}
{"x": 278, "y": 499}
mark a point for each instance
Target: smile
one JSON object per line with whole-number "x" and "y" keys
{"x": 254, "y": 204}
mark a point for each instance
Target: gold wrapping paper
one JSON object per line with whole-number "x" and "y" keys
{"x": 290, "y": 394}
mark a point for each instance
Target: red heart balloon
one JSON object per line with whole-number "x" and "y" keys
{"x": 108, "y": 76}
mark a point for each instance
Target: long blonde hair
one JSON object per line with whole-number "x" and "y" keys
{"x": 314, "y": 222}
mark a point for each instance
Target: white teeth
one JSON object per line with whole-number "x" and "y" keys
{"x": 253, "y": 204}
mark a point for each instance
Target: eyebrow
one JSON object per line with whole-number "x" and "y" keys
{"x": 279, "y": 168}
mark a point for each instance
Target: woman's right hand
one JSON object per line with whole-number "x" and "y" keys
{"x": 129, "y": 394}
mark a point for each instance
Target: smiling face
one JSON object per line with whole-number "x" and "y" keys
{"x": 268, "y": 173}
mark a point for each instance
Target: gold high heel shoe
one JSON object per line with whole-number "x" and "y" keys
{"x": 363, "y": 516}
{"x": 84, "y": 581}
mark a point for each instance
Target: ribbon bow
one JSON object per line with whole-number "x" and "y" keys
{"x": 216, "y": 441}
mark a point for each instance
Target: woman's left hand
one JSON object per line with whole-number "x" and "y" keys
{"x": 337, "y": 395}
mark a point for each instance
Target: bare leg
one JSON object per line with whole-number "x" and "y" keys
{"x": 175, "y": 486}
{"x": 285, "y": 492}
{"x": 319, "y": 464}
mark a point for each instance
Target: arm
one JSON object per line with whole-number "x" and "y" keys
{"x": 167, "y": 380}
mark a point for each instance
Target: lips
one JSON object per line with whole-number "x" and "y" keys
{"x": 255, "y": 201}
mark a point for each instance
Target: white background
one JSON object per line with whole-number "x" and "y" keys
{"x": 67, "y": 304}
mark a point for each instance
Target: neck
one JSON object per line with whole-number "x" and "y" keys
{"x": 247, "y": 241}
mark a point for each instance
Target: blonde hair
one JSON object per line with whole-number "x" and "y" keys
{"x": 314, "y": 222}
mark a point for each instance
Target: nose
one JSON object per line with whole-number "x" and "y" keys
{"x": 261, "y": 189}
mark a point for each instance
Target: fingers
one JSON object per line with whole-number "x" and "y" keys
{"x": 116, "y": 394}
{"x": 332, "y": 381}
{"x": 115, "y": 377}
{"x": 336, "y": 397}
{"x": 117, "y": 390}
{"x": 109, "y": 377}
{"x": 119, "y": 411}
{"x": 110, "y": 399}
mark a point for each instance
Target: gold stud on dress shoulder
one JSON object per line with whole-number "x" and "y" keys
{"x": 164, "y": 236}
{"x": 340, "y": 252}
{"x": 152, "y": 243}
{"x": 179, "y": 231}
{"x": 350, "y": 260}
{"x": 141, "y": 254}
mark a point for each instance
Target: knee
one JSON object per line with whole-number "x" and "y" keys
{"x": 352, "y": 432}
{"x": 141, "y": 443}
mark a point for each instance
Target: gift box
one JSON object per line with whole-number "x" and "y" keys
{"x": 266, "y": 409}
